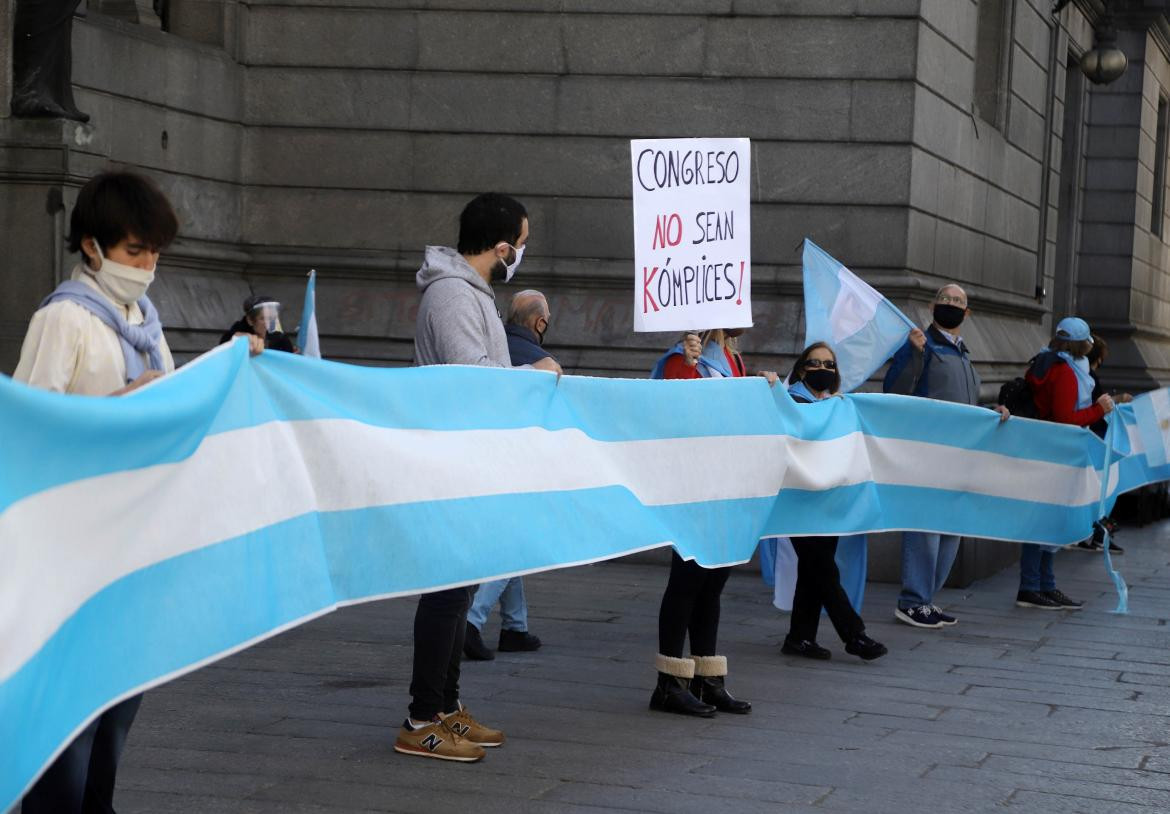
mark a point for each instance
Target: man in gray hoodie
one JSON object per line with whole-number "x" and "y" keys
{"x": 459, "y": 324}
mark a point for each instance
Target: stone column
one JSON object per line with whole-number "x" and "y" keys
{"x": 7, "y": 11}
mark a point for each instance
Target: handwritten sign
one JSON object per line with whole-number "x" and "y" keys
{"x": 692, "y": 233}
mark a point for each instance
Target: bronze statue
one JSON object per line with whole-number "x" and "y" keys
{"x": 42, "y": 60}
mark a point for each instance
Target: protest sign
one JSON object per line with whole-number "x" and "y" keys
{"x": 692, "y": 233}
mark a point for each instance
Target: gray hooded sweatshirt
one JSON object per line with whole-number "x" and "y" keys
{"x": 458, "y": 323}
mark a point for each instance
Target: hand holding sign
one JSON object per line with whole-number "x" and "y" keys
{"x": 692, "y": 349}
{"x": 692, "y": 233}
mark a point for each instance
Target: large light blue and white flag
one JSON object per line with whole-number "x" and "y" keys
{"x": 1142, "y": 441}
{"x": 863, "y": 327}
{"x": 307, "y": 338}
{"x": 142, "y": 537}
{"x": 1152, "y": 413}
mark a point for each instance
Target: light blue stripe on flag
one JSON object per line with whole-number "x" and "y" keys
{"x": 863, "y": 327}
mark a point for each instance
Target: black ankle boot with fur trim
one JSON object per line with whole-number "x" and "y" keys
{"x": 708, "y": 685}
{"x": 673, "y": 693}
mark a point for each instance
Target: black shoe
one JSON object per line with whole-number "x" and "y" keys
{"x": 865, "y": 648}
{"x": 710, "y": 690}
{"x": 945, "y": 618}
{"x": 1098, "y": 542}
{"x": 1090, "y": 545}
{"x": 810, "y": 650}
{"x": 673, "y": 695}
{"x": 1036, "y": 599}
{"x": 473, "y": 647}
{"x": 518, "y": 641}
{"x": 921, "y": 616}
{"x": 1064, "y": 600}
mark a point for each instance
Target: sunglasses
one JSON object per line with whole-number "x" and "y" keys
{"x": 815, "y": 364}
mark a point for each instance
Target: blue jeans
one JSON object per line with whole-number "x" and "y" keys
{"x": 513, "y": 608}
{"x": 926, "y": 562}
{"x": 1036, "y": 568}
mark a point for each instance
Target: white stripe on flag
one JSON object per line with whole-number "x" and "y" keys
{"x": 856, "y": 305}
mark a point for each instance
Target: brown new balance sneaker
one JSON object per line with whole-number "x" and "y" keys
{"x": 473, "y": 730}
{"x": 439, "y": 740}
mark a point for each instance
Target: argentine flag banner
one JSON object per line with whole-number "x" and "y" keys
{"x": 863, "y": 327}
{"x": 147, "y": 535}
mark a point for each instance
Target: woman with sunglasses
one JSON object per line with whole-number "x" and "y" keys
{"x": 818, "y": 582}
{"x": 695, "y": 685}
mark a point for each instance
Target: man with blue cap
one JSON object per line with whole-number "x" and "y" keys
{"x": 1062, "y": 389}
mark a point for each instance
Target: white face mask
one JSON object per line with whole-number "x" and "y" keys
{"x": 124, "y": 284}
{"x": 510, "y": 269}
{"x": 515, "y": 264}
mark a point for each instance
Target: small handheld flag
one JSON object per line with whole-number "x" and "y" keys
{"x": 307, "y": 336}
{"x": 863, "y": 327}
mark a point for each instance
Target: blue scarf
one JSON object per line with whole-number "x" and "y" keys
{"x": 713, "y": 361}
{"x": 799, "y": 388}
{"x": 135, "y": 339}
{"x": 1085, "y": 381}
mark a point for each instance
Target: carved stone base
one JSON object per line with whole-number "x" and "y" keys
{"x": 34, "y": 105}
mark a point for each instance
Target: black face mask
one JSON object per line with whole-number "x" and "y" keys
{"x": 540, "y": 334}
{"x": 819, "y": 380}
{"x": 949, "y": 316}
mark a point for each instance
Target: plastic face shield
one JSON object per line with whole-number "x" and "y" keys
{"x": 270, "y": 313}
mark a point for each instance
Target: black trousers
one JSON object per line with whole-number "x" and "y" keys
{"x": 81, "y": 779}
{"x": 439, "y": 626}
{"x": 818, "y": 584}
{"x": 690, "y": 605}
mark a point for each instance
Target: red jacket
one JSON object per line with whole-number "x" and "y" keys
{"x": 677, "y": 367}
{"x": 1055, "y": 393}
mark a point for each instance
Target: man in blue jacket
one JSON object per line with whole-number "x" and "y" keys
{"x": 528, "y": 318}
{"x": 934, "y": 364}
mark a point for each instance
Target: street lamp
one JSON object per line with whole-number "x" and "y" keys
{"x": 1104, "y": 62}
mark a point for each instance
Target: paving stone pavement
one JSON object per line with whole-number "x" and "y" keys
{"x": 1011, "y": 710}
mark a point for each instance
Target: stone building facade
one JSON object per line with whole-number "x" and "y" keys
{"x": 919, "y": 141}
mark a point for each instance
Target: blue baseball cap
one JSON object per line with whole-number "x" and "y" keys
{"x": 1075, "y": 329}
